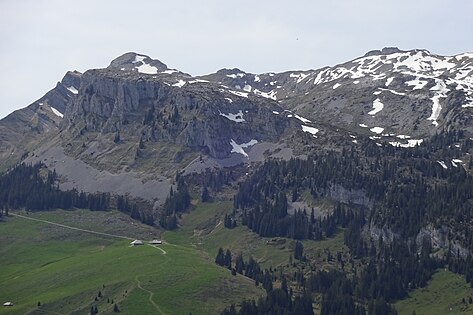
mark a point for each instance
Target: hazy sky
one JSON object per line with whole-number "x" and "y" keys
{"x": 42, "y": 39}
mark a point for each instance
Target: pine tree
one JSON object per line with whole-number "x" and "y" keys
{"x": 220, "y": 258}
{"x": 299, "y": 251}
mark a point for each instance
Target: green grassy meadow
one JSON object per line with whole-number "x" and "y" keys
{"x": 64, "y": 270}
{"x": 443, "y": 295}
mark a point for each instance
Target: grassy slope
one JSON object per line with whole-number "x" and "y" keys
{"x": 65, "y": 269}
{"x": 443, "y": 292}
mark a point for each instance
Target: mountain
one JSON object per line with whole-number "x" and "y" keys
{"x": 140, "y": 120}
{"x": 374, "y": 152}
{"x": 391, "y": 92}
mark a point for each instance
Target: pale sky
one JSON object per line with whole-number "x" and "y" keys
{"x": 42, "y": 39}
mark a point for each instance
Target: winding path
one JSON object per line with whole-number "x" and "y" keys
{"x": 151, "y": 294}
{"x": 162, "y": 250}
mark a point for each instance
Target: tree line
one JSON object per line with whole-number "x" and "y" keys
{"x": 35, "y": 188}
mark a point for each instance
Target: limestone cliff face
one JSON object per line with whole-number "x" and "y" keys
{"x": 172, "y": 107}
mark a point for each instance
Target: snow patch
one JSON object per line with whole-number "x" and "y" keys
{"x": 410, "y": 143}
{"x": 198, "y": 81}
{"x": 257, "y": 78}
{"x": 238, "y": 117}
{"x": 144, "y": 67}
{"x": 236, "y": 75}
{"x": 56, "y": 112}
{"x": 229, "y": 99}
{"x": 247, "y": 88}
{"x": 270, "y": 95}
{"x": 377, "y": 107}
{"x": 73, "y": 90}
{"x": 440, "y": 92}
{"x": 180, "y": 83}
{"x": 241, "y": 94}
{"x": 238, "y": 148}
{"x": 363, "y": 126}
{"x": 417, "y": 83}
{"x": 388, "y": 81}
{"x": 310, "y": 130}
{"x": 442, "y": 163}
{"x": 299, "y": 76}
{"x": 275, "y": 112}
{"x": 169, "y": 71}
{"x": 336, "y": 85}
{"x": 377, "y": 130}
{"x": 304, "y": 120}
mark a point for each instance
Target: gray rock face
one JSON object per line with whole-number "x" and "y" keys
{"x": 199, "y": 115}
{"x": 386, "y": 93}
{"x": 23, "y": 130}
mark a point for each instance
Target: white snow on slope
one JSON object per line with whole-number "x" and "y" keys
{"x": 169, "y": 71}
{"x": 180, "y": 83}
{"x": 417, "y": 83}
{"x": 377, "y": 130}
{"x": 247, "y": 88}
{"x": 299, "y": 76}
{"x": 363, "y": 126}
{"x": 238, "y": 148}
{"x": 388, "y": 81}
{"x": 198, "y": 81}
{"x": 241, "y": 94}
{"x": 442, "y": 163}
{"x": 395, "y": 92}
{"x": 229, "y": 99}
{"x": 270, "y": 95}
{"x": 440, "y": 92}
{"x": 73, "y": 90}
{"x": 144, "y": 67}
{"x": 234, "y": 76}
{"x": 409, "y": 144}
{"x": 336, "y": 85}
{"x": 304, "y": 120}
{"x": 377, "y": 107}
{"x": 310, "y": 130}
{"x": 56, "y": 112}
{"x": 257, "y": 78}
{"x": 238, "y": 117}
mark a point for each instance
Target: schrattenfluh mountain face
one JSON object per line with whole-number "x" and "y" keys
{"x": 129, "y": 128}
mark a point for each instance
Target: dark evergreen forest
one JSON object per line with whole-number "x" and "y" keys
{"x": 35, "y": 188}
{"x": 392, "y": 189}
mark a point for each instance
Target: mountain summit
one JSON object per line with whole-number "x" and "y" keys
{"x": 135, "y": 62}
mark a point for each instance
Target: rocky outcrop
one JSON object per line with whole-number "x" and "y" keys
{"x": 200, "y": 115}
{"x": 23, "y": 130}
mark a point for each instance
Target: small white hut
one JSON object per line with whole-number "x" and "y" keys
{"x": 156, "y": 242}
{"x": 136, "y": 243}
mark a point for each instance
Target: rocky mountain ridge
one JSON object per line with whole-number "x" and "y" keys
{"x": 139, "y": 117}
